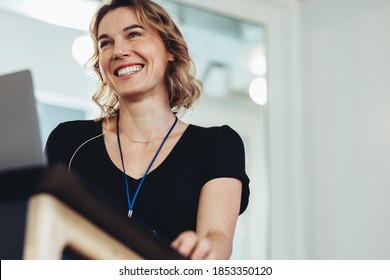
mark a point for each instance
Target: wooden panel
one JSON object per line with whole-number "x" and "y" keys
{"x": 52, "y": 226}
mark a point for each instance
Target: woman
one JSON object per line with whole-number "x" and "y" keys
{"x": 187, "y": 182}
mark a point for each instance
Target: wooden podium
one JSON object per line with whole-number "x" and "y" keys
{"x": 46, "y": 213}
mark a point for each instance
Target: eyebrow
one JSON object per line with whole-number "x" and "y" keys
{"x": 124, "y": 30}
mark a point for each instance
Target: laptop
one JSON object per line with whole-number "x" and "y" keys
{"x": 20, "y": 140}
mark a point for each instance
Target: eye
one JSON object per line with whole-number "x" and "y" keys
{"x": 134, "y": 34}
{"x": 104, "y": 43}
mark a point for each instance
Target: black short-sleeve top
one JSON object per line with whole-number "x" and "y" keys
{"x": 168, "y": 199}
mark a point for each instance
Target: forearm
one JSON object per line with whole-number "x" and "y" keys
{"x": 217, "y": 216}
{"x": 221, "y": 246}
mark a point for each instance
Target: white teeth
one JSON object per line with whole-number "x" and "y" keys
{"x": 129, "y": 70}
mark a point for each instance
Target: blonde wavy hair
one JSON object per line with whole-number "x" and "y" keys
{"x": 183, "y": 88}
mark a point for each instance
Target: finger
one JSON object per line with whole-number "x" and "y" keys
{"x": 179, "y": 239}
{"x": 185, "y": 243}
{"x": 202, "y": 249}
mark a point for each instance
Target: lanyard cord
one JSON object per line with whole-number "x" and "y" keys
{"x": 129, "y": 201}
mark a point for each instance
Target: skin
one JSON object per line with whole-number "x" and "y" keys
{"x": 145, "y": 113}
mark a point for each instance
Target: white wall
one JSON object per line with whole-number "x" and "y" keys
{"x": 346, "y": 127}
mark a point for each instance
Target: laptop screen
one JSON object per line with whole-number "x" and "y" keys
{"x": 20, "y": 140}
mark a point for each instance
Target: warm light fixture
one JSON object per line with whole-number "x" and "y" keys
{"x": 258, "y": 91}
{"x": 82, "y": 49}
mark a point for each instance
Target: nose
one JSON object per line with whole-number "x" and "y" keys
{"x": 120, "y": 51}
{"x": 119, "y": 55}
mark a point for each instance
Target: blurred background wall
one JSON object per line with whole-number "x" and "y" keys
{"x": 346, "y": 127}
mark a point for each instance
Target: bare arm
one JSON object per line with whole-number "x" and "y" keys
{"x": 219, "y": 207}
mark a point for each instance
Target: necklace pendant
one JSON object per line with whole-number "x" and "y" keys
{"x": 130, "y": 214}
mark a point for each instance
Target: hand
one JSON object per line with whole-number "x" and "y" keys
{"x": 191, "y": 245}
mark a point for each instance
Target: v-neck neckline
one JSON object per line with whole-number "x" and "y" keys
{"x": 168, "y": 158}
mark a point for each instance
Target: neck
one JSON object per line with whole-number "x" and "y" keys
{"x": 142, "y": 123}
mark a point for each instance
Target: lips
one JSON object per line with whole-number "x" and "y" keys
{"x": 127, "y": 70}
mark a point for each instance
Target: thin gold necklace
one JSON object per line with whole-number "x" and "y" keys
{"x": 144, "y": 142}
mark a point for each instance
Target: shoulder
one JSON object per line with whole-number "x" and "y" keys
{"x": 216, "y": 140}
{"x": 74, "y": 131}
{"x": 222, "y": 133}
{"x": 212, "y": 130}
{"x": 77, "y": 128}
{"x": 78, "y": 125}
{"x": 67, "y": 136}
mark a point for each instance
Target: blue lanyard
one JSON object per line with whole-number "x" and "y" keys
{"x": 129, "y": 201}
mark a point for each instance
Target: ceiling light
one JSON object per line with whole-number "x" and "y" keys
{"x": 258, "y": 91}
{"x": 82, "y": 49}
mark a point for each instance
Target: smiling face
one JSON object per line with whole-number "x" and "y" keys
{"x": 132, "y": 58}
